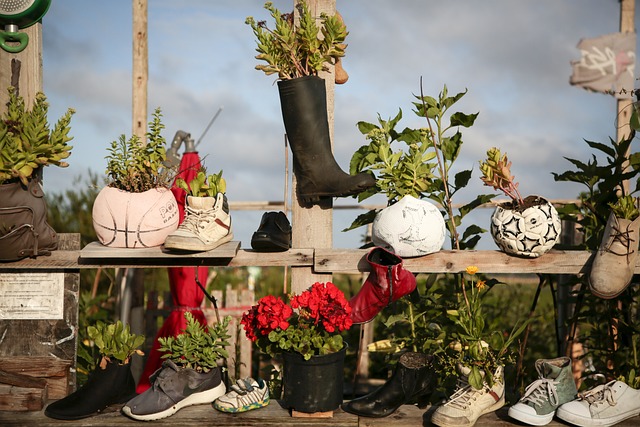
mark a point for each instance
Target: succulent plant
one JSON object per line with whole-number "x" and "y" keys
{"x": 115, "y": 341}
{"x": 496, "y": 173}
{"x": 26, "y": 140}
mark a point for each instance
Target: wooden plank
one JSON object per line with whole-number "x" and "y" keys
{"x": 19, "y": 380}
{"x": 97, "y": 251}
{"x": 451, "y": 261}
{"x": 22, "y": 70}
{"x": 14, "y": 398}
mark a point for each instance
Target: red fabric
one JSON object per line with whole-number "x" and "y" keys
{"x": 185, "y": 293}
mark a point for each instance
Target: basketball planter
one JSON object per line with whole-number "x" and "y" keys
{"x": 136, "y": 209}
{"x": 526, "y": 227}
{"x": 123, "y": 219}
{"x": 526, "y": 231}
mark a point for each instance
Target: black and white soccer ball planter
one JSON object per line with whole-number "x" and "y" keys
{"x": 528, "y": 231}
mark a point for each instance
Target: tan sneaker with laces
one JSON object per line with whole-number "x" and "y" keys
{"x": 466, "y": 404}
{"x": 207, "y": 225}
{"x": 615, "y": 260}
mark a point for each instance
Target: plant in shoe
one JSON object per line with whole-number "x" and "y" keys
{"x": 604, "y": 405}
{"x": 309, "y": 325}
{"x": 110, "y": 382}
{"x": 189, "y": 375}
{"x": 246, "y": 394}
{"x": 614, "y": 263}
{"x": 555, "y": 386}
{"x": 413, "y": 377}
{"x": 207, "y": 222}
{"x": 468, "y": 403}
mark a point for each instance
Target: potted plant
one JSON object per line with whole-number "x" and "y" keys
{"x": 297, "y": 54}
{"x": 207, "y": 222}
{"x": 306, "y": 332}
{"x": 111, "y": 381}
{"x": 475, "y": 356}
{"x": 27, "y": 145}
{"x": 527, "y": 227}
{"x": 136, "y": 209}
{"x": 190, "y": 373}
{"x": 615, "y": 260}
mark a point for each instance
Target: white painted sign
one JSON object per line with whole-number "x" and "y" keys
{"x": 31, "y": 296}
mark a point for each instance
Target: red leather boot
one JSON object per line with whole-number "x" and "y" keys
{"x": 387, "y": 282}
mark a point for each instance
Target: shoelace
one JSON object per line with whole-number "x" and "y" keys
{"x": 601, "y": 394}
{"x": 463, "y": 394}
{"x": 622, "y": 237}
{"x": 194, "y": 218}
{"x": 537, "y": 392}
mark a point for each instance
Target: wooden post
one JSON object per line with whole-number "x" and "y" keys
{"x": 627, "y": 16}
{"x": 140, "y": 69}
{"x": 312, "y": 227}
{"x": 22, "y": 70}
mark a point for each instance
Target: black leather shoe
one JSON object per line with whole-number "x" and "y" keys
{"x": 274, "y": 233}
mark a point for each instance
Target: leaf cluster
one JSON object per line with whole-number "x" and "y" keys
{"x": 197, "y": 347}
{"x": 137, "y": 167}
{"x": 303, "y": 338}
{"x": 292, "y": 51}
{"x": 202, "y": 185}
{"x": 26, "y": 140}
{"x": 115, "y": 340}
{"x": 496, "y": 173}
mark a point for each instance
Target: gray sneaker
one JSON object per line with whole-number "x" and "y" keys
{"x": 604, "y": 405}
{"x": 615, "y": 260}
{"x": 207, "y": 225}
{"x": 555, "y": 386}
{"x": 173, "y": 388}
{"x": 467, "y": 404}
{"x": 246, "y": 394}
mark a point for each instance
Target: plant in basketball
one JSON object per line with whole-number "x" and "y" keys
{"x": 310, "y": 324}
{"x": 136, "y": 209}
{"x": 527, "y": 227}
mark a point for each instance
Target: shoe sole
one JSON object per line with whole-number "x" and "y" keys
{"x": 443, "y": 422}
{"x": 245, "y": 408}
{"x": 534, "y": 420}
{"x": 195, "y": 399}
{"x": 591, "y": 422}
{"x": 189, "y": 245}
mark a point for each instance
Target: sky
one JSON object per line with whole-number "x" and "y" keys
{"x": 513, "y": 58}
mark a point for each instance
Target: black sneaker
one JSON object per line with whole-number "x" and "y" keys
{"x": 273, "y": 234}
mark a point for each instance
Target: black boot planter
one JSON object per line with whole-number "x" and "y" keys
{"x": 412, "y": 379}
{"x": 114, "y": 384}
{"x": 304, "y": 111}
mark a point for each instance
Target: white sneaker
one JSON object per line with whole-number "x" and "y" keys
{"x": 604, "y": 405}
{"x": 246, "y": 394}
{"x": 207, "y": 225}
{"x": 464, "y": 407}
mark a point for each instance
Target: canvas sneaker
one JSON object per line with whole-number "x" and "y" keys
{"x": 604, "y": 405}
{"x": 466, "y": 404}
{"x": 246, "y": 394}
{"x": 206, "y": 225}
{"x": 173, "y": 388}
{"x": 555, "y": 386}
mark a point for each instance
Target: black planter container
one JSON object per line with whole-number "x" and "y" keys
{"x": 314, "y": 385}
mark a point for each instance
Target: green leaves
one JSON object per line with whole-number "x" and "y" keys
{"x": 137, "y": 167}
{"x": 115, "y": 340}
{"x": 202, "y": 185}
{"x": 26, "y": 141}
{"x": 291, "y": 51}
{"x": 197, "y": 347}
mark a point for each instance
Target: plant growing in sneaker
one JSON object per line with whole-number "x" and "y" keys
{"x": 202, "y": 185}
{"x": 189, "y": 375}
{"x": 197, "y": 347}
{"x": 291, "y": 51}
{"x": 310, "y": 324}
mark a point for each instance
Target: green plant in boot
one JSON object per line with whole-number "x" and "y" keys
{"x": 115, "y": 342}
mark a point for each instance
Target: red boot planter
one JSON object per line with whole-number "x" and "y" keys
{"x": 387, "y": 282}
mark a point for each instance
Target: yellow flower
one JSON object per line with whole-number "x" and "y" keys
{"x": 472, "y": 269}
{"x": 481, "y": 284}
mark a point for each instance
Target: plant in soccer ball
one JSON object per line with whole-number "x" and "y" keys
{"x": 528, "y": 226}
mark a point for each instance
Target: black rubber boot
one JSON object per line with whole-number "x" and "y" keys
{"x": 114, "y": 384}
{"x": 304, "y": 112}
{"x": 412, "y": 379}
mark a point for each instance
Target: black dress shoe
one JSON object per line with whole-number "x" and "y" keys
{"x": 274, "y": 233}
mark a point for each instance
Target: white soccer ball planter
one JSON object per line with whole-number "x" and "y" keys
{"x": 528, "y": 232}
{"x": 134, "y": 220}
{"x": 409, "y": 228}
